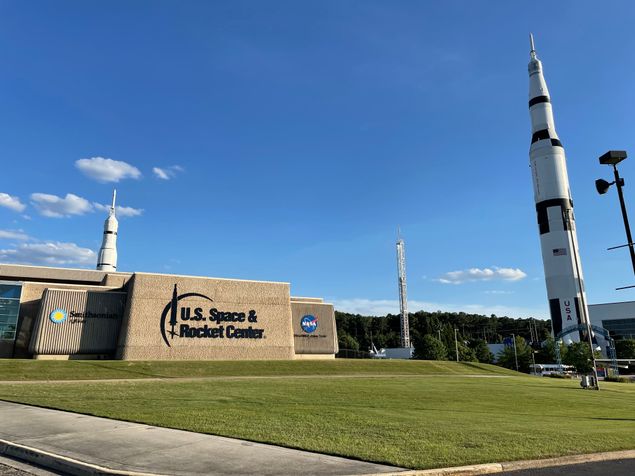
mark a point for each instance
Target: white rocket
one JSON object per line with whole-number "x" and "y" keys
{"x": 107, "y": 259}
{"x": 554, "y": 206}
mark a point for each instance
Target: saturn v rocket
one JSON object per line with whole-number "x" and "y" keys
{"x": 554, "y": 207}
{"x": 107, "y": 258}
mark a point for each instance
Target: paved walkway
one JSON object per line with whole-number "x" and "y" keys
{"x": 133, "y": 447}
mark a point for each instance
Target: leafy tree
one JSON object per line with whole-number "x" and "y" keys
{"x": 506, "y": 357}
{"x": 466, "y": 354}
{"x": 547, "y": 353}
{"x": 625, "y": 349}
{"x": 578, "y": 354}
{"x": 346, "y": 341}
{"x": 429, "y": 347}
{"x": 481, "y": 351}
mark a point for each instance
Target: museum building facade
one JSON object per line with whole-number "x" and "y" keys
{"x": 60, "y": 313}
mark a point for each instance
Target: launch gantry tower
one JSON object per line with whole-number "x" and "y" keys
{"x": 403, "y": 300}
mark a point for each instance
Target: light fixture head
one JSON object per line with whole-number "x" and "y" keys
{"x": 613, "y": 157}
{"x": 602, "y": 186}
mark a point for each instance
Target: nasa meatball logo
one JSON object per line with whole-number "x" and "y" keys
{"x": 58, "y": 316}
{"x": 309, "y": 323}
{"x": 178, "y": 320}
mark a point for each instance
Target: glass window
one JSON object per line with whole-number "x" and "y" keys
{"x": 10, "y": 291}
{"x": 620, "y": 328}
{"x": 9, "y": 309}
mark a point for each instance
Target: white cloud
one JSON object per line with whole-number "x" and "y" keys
{"x": 498, "y": 292}
{"x": 381, "y": 307}
{"x": 11, "y": 202}
{"x": 160, "y": 173}
{"x": 120, "y": 211}
{"x": 14, "y": 235}
{"x": 107, "y": 170}
{"x": 167, "y": 173}
{"x": 485, "y": 274}
{"x": 56, "y": 207}
{"x": 49, "y": 253}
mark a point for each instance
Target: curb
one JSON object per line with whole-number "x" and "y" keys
{"x": 60, "y": 463}
{"x": 80, "y": 468}
{"x": 492, "y": 468}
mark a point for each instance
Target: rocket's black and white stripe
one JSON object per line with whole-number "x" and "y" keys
{"x": 107, "y": 259}
{"x": 554, "y": 208}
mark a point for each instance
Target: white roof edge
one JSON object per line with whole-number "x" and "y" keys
{"x": 83, "y": 270}
{"x": 612, "y": 303}
{"x": 211, "y": 277}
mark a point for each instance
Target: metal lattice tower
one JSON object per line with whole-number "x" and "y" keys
{"x": 403, "y": 300}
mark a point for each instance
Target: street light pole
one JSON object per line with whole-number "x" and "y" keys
{"x": 533, "y": 360}
{"x": 456, "y": 345}
{"x": 614, "y": 157}
{"x": 515, "y": 353}
{"x": 586, "y": 319}
{"x": 619, "y": 182}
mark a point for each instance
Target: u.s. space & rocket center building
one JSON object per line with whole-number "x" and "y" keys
{"x": 74, "y": 313}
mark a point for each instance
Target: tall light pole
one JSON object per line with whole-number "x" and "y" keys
{"x": 585, "y": 315}
{"x": 456, "y": 345}
{"x": 515, "y": 353}
{"x": 614, "y": 157}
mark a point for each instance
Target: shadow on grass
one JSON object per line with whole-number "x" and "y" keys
{"x": 612, "y": 419}
{"x": 124, "y": 370}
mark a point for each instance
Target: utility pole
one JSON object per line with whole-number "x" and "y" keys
{"x": 515, "y": 353}
{"x": 456, "y": 344}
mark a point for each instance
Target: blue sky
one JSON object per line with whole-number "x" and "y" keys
{"x": 292, "y": 138}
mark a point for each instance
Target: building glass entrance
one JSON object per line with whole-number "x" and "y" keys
{"x": 9, "y": 310}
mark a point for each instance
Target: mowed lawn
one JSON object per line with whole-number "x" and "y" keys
{"x": 15, "y": 369}
{"x": 415, "y": 418}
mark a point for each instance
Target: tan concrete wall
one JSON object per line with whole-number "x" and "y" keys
{"x": 93, "y": 320}
{"x": 323, "y": 340}
{"x": 14, "y": 272}
{"x": 150, "y": 302}
{"x": 306, "y": 299}
{"x": 29, "y": 308}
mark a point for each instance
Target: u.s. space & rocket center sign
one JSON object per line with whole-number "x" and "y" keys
{"x": 178, "y": 320}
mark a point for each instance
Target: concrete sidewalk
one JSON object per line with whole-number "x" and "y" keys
{"x": 84, "y": 444}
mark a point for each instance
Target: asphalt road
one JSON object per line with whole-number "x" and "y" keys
{"x": 621, "y": 467}
{"x": 12, "y": 467}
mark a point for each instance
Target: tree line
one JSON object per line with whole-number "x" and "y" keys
{"x": 433, "y": 337}
{"x": 357, "y": 332}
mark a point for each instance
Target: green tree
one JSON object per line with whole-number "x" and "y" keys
{"x": 578, "y": 354}
{"x": 429, "y": 347}
{"x": 348, "y": 342}
{"x": 625, "y": 349}
{"x": 481, "y": 351}
{"x": 506, "y": 357}
{"x": 547, "y": 354}
{"x": 466, "y": 354}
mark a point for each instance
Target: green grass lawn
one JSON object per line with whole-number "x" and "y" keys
{"x": 415, "y": 420}
{"x": 13, "y": 369}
